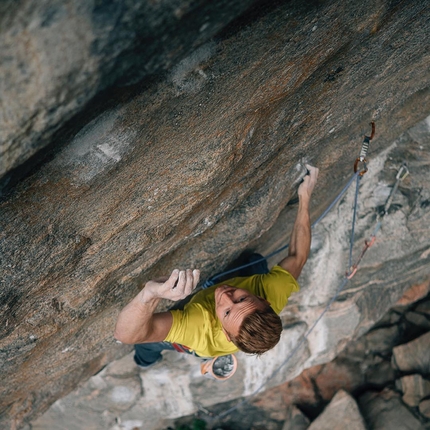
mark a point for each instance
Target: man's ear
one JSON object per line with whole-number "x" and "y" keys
{"x": 226, "y": 334}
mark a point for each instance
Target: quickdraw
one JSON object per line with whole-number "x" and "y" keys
{"x": 401, "y": 174}
{"x": 354, "y": 268}
{"x": 363, "y": 154}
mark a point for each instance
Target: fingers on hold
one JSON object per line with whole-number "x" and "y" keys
{"x": 196, "y": 277}
{"x": 189, "y": 283}
{"x": 173, "y": 278}
{"x": 180, "y": 284}
{"x": 313, "y": 171}
{"x": 184, "y": 281}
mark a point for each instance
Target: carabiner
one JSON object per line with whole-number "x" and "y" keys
{"x": 402, "y": 173}
{"x": 363, "y": 161}
{"x": 363, "y": 152}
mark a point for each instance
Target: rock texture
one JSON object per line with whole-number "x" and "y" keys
{"x": 342, "y": 412}
{"x": 198, "y": 166}
{"x": 415, "y": 388}
{"x": 55, "y": 56}
{"x": 295, "y": 420}
{"x": 385, "y": 410}
{"x": 424, "y": 408}
{"x": 413, "y": 356}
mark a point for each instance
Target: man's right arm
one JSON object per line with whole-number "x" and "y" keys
{"x": 300, "y": 241}
{"x": 137, "y": 322}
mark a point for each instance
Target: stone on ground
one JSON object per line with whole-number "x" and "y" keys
{"x": 413, "y": 356}
{"x": 296, "y": 420}
{"x": 341, "y": 413}
{"x": 414, "y": 389}
{"x": 386, "y": 411}
{"x": 424, "y": 408}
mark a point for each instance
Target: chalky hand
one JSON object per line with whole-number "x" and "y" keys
{"x": 179, "y": 285}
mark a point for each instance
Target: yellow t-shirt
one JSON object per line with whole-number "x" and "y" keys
{"x": 198, "y": 327}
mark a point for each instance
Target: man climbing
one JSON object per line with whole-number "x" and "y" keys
{"x": 237, "y": 314}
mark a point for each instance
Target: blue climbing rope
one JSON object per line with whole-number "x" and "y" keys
{"x": 354, "y": 217}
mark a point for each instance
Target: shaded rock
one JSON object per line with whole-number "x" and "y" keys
{"x": 423, "y": 308}
{"x": 378, "y": 372}
{"x": 424, "y": 408}
{"x": 106, "y": 44}
{"x": 296, "y": 420}
{"x": 385, "y": 411}
{"x": 418, "y": 319}
{"x": 382, "y": 340}
{"x": 414, "y": 389}
{"x": 392, "y": 317}
{"x": 342, "y": 412}
{"x": 418, "y": 291}
{"x": 413, "y": 356}
{"x": 335, "y": 376}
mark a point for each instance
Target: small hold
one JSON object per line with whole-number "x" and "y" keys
{"x": 333, "y": 74}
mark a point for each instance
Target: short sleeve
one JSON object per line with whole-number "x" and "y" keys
{"x": 189, "y": 327}
{"x": 276, "y": 287}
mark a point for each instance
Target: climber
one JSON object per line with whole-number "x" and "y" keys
{"x": 237, "y": 314}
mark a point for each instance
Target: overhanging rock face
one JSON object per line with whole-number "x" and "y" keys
{"x": 57, "y": 55}
{"x": 201, "y": 165}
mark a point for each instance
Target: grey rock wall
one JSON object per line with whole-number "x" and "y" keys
{"x": 196, "y": 167}
{"x": 55, "y": 56}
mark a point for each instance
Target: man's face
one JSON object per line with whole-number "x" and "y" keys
{"x": 233, "y": 304}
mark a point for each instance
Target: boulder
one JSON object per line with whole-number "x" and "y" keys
{"x": 296, "y": 420}
{"x": 424, "y": 408}
{"x": 342, "y": 412}
{"x": 414, "y": 389}
{"x": 423, "y": 308}
{"x": 386, "y": 411}
{"x": 382, "y": 340}
{"x": 413, "y": 356}
{"x": 418, "y": 319}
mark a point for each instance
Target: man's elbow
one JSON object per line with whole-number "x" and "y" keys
{"x": 124, "y": 337}
{"x": 294, "y": 264}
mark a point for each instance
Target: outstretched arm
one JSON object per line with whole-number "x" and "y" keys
{"x": 300, "y": 242}
{"x": 137, "y": 322}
